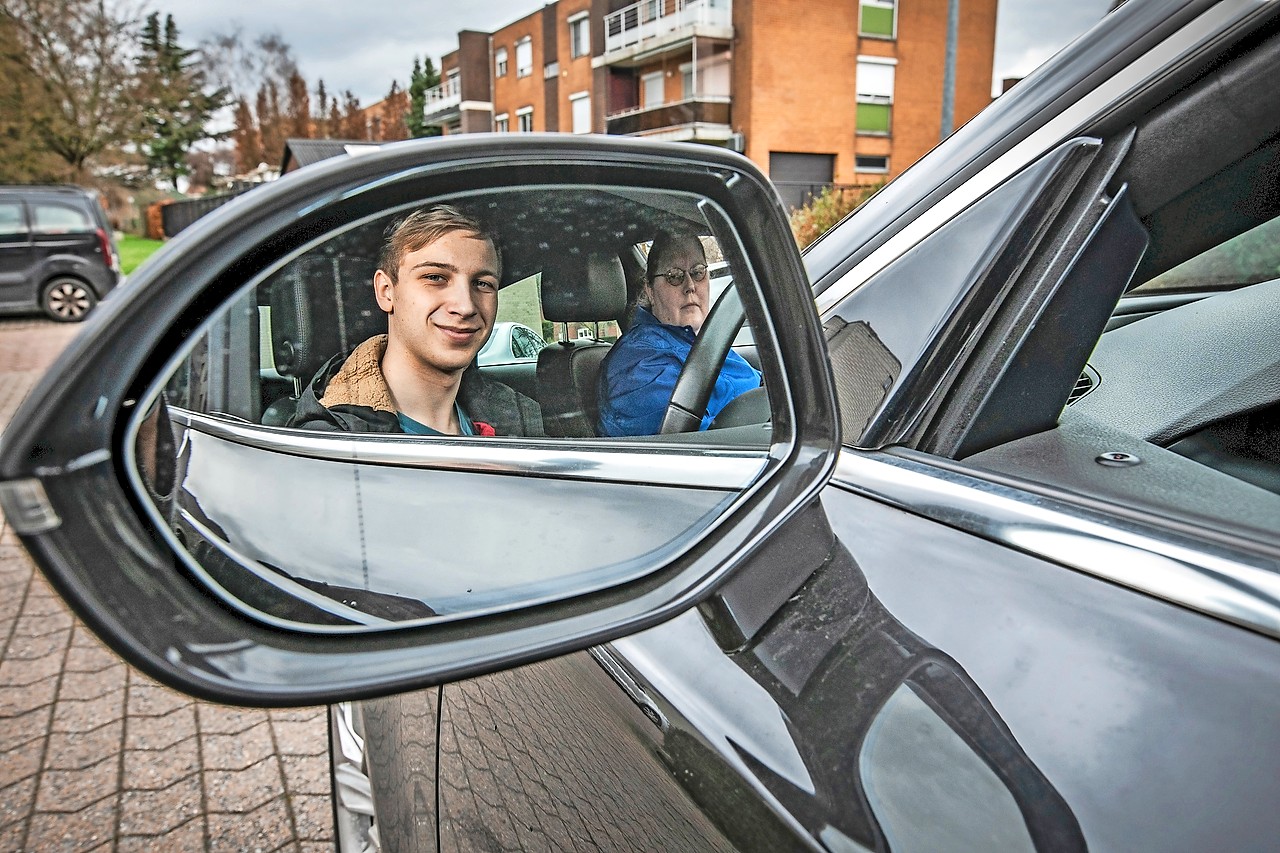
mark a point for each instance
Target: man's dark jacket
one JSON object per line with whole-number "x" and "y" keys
{"x": 367, "y": 406}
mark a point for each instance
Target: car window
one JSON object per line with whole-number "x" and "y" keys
{"x": 54, "y": 218}
{"x": 12, "y": 224}
{"x": 1247, "y": 258}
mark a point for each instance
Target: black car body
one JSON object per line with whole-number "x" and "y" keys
{"x": 57, "y": 251}
{"x": 993, "y": 561}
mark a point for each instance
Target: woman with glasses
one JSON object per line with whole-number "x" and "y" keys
{"x": 640, "y": 371}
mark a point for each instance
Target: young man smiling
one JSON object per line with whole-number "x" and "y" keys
{"x": 437, "y": 281}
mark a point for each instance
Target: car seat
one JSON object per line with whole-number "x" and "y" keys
{"x": 321, "y": 305}
{"x": 586, "y": 288}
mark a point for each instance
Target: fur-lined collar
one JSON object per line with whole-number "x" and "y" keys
{"x": 360, "y": 382}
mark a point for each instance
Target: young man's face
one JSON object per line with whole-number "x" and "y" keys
{"x": 683, "y": 304}
{"x": 442, "y": 304}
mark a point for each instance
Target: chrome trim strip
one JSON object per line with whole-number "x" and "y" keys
{"x": 657, "y": 465}
{"x": 1214, "y": 582}
{"x": 1072, "y": 121}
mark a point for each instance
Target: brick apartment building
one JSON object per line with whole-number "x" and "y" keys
{"x": 814, "y": 91}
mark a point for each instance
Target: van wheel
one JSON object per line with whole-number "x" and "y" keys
{"x": 67, "y": 300}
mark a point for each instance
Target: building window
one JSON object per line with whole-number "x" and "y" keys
{"x": 524, "y": 57}
{"x": 878, "y": 18}
{"x": 500, "y": 62}
{"x": 524, "y": 120}
{"x": 875, "y": 95}
{"x": 580, "y": 104}
{"x": 579, "y": 35}
{"x": 873, "y": 165}
{"x": 502, "y": 123}
{"x": 652, "y": 84}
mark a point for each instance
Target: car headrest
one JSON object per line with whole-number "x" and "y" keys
{"x": 322, "y": 306}
{"x": 583, "y": 288}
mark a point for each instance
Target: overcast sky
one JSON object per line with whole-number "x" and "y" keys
{"x": 363, "y": 46}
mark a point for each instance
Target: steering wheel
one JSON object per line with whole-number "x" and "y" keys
{"x": 701, "y": 369}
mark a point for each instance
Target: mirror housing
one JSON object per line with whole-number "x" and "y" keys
{"x": 64, "y": 466}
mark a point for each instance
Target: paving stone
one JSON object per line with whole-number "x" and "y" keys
{"x": 149, "y": 769}
{"x": 188, "y": 838}
{"x": 72, "y": 790}
{"x": 11, "y": 836}
{"x": 78, "y": 750}
{"x": 315, "y": 817}
{"x": 21, "y": 762}
{"x": 152, "y": 700}
{"x": 91, "y": 685}
{"x": 302, "y": 738}
{"x": 225, "y": 720}
{"x": 265, "y": 829}
{"x": 75, "y": 715}
{"x": 36, "y": 626}
{"x": 82, "y": 657}
{"x": 158, "y": 812}
{"x": 33, "y": 648}
{"x": 16, "y": 802}
{"x": 306, "y": 774}
{"x": 161, "y": 732}
{"x": 243, "y": 790}
{"x": 24, "y": 728}
{"x": 80, "y": 831}
{"x": 236, "y": 752}
{"x": 17, "y": 700}
{"x": 19, "y": 673}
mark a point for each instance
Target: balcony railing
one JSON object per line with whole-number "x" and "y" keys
{"x": 653, "y": 19}
{"x": 664, "y": 116}
{"x": 446, "y": 96}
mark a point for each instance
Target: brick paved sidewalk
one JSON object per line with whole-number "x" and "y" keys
{"x": 95, "y": 756}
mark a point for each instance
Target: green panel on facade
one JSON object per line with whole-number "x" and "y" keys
{"x": 876, "y": 21}
{"x": 874, "y": 118}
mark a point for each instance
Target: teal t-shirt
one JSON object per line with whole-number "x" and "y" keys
{"x": 412, "y": 427}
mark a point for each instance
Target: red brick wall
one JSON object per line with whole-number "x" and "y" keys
{"x": 511, "y": 93}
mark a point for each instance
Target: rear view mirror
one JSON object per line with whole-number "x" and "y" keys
{"x": 234, "y": 550}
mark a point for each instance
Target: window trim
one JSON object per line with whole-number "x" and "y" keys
{"x": 891, "y": 5}
{"x": 500, "y": 60}
{"x": 524, "y": 71}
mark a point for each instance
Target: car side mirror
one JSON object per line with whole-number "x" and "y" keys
{"x": 175, "y": 502}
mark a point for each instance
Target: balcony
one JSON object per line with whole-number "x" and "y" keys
{"x": 644, "y": 30}
{"x": 443, "y": 102}
{"x": 703, "y": 119}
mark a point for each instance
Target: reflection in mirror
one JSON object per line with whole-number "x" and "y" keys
{"x": 360, "y": 436}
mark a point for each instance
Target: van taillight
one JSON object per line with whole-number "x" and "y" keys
{"x": 104, "y": 245}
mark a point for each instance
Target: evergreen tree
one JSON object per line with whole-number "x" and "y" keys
{"x": 420, "y": 80}
{"x": 177, "y": 101}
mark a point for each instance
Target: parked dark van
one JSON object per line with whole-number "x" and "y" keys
{"x": 56, "y": 251}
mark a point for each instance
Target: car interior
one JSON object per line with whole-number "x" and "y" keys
{"x": 578, "y": 274}
{"x": 1189, "y": 360}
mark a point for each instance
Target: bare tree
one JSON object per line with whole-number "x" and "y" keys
{"x": 77, "y": 54}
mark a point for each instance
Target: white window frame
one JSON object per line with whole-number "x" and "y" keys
{"x": 524, "y": 57}
{"x": 500, "y": 62}
{"x": 869, "y": 83}
{"x": 579, "y": 35}
{"x": 502, "y": 123}
{"x": 579, "y": 102}
{"x": 524, "y": 120}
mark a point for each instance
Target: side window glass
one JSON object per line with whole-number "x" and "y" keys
{"x": 50, "y": 218}
{"x": 295, "y": 388}
{"x": 1248, "y": 258}
{"x": 13, "y": 228}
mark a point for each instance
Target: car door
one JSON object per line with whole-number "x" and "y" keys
{"x": 15, "y": 253}
{"x": 951, "y": 674}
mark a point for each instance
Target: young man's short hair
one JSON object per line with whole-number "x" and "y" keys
{"x": 426, "y": 225}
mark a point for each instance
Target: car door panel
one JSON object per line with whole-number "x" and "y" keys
{"x": 801, "y": 737}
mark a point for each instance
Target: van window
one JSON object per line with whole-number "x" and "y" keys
{"x": 11, "y": 222}
{"x": 52, "y": 218}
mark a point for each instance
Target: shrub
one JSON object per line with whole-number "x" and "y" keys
{"x": 810, "y": 222}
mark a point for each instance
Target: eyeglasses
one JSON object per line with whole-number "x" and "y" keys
{"x": 675, "y": 275}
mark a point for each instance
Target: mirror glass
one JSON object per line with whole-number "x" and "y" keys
{"x": 456, "y": 407}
